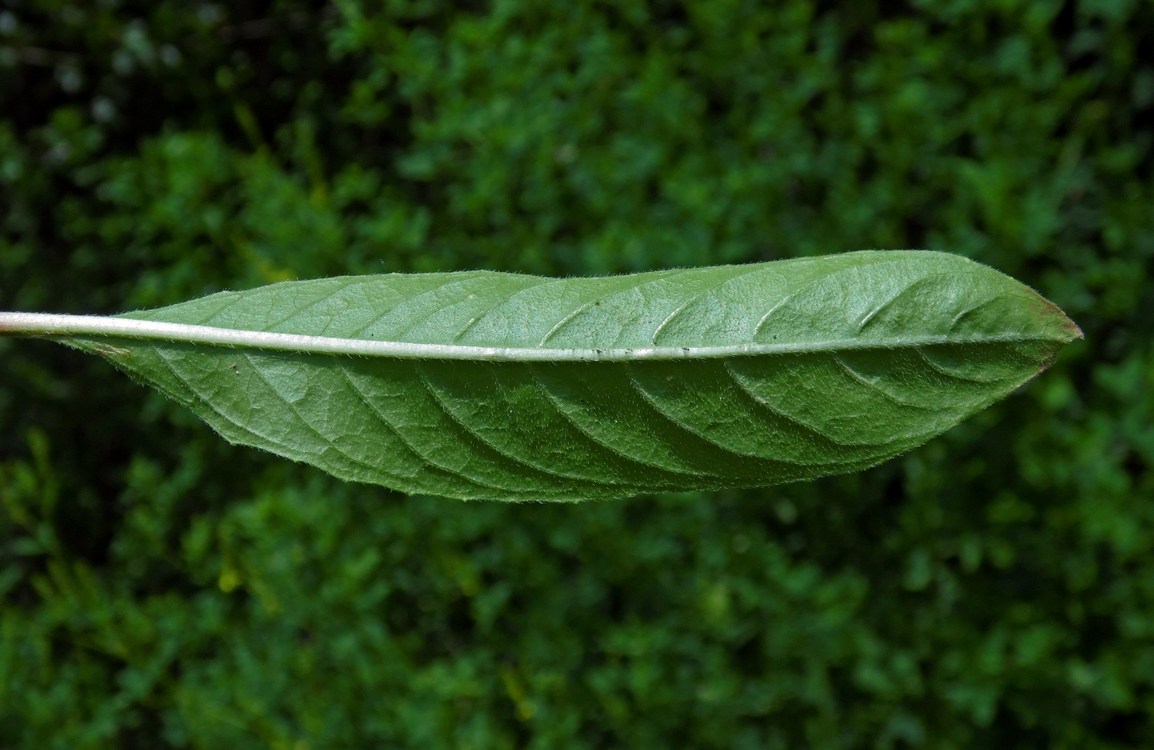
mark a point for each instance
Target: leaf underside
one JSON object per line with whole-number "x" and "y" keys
{"x": 744, "y": 376}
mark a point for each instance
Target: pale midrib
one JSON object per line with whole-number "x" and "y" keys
{"x": 45, "y": 324}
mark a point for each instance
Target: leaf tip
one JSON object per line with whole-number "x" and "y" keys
{"x": 1075, "y": 330}
{"x": 1065, "y": 328}
{"x": 1046, "y": 320}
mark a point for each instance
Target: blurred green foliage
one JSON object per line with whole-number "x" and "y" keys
{"x": 160, "y": 588}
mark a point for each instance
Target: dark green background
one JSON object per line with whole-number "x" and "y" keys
{"x": 160, "y": 588}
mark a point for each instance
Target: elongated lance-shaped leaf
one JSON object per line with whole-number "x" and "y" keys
{"x": 494, "y": 385}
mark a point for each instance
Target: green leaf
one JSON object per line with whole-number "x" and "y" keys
{"x": 492, "y": 385}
